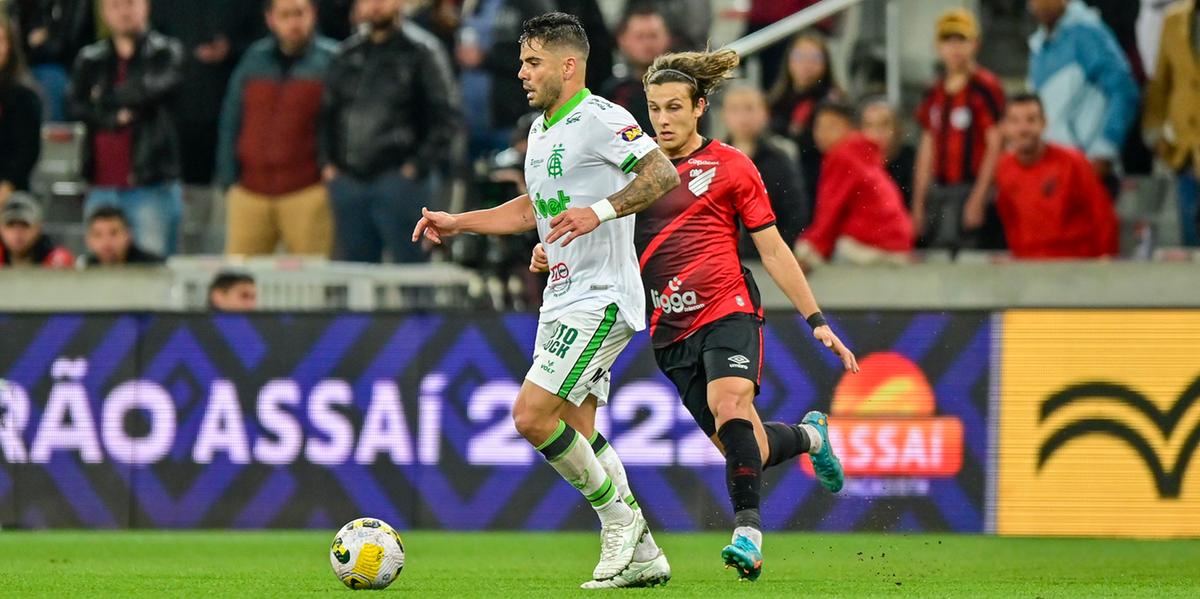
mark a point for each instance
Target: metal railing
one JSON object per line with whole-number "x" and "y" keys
{"x": 789, "y": 26}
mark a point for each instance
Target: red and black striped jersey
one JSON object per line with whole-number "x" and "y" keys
{"x": 959, "y": 124}
{"x": 687, "y": 243}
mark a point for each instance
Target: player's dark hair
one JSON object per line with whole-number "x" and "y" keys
{"x": 1028, "y": 98}
{"x": 226, "y": 280}
{"x": 108, "y": 213}
{"x": 840, "y": 108}
{"x": 639, "y": 9}
{"x": 556, "y": 29}
{"x": 702, "y": 71}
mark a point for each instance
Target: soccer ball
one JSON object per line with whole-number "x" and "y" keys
{"x": 367, "y": 554}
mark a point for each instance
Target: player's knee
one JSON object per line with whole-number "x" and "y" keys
{"x": 728, "y": 404}
{"x": 725, "y": 407}
{"x": 532, "y": 426}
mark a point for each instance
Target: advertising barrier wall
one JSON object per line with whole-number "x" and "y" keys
{"x": 1099, "y": 416}
{"x": 289, "y": 420}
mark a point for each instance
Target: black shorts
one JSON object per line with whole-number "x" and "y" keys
{"x": 731, "y": 346}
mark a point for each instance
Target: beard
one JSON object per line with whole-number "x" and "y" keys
{"x": 382, "y": 23}
{"x": 548, "y": 97}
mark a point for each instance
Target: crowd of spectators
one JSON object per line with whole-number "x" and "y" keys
{"x": 321, "y": 127}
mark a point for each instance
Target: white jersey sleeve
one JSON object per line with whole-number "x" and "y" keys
{"x": 617, "y": 138}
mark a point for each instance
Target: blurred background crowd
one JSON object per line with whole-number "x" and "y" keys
{"x": 136, "y": 130}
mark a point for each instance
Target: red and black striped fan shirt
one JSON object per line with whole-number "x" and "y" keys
{"x": 959, "y": 123}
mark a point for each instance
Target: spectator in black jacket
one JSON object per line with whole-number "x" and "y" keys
{"x": 20, "y": 116}
{"x": 110, "y": 243}
{"x": 744, "y": 109}
{"x": 214, "y": 34}
{"x": 389, "y": 116}
{"x": 122, "y": 89}
{"x": 55, "y": 31}
{"x": 642, "y": 36}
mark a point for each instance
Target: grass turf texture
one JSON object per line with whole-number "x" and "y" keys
{"x": 295, "y": 563}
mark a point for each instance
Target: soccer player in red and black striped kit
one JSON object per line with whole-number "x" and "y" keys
{"x": 704, "y": 312}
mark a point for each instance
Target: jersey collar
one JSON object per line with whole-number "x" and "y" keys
{"x": 566, "y": 109}
{"x": 703, "y": 145}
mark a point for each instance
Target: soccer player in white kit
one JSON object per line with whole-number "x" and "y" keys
{"x": 589, "y": 168}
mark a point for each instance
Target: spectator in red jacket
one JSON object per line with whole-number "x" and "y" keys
{"x": 22, "y": 242}
{"x": 267, "y": 142}
{"x": 1052, "y": 203}
{"x": 860, "y": 214}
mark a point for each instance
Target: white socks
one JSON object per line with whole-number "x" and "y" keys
{"x": 814, "y": 438}
{"x": 572, "y": 456}
{"x": 753, "y": 534}
{"x": 647, "y": 549}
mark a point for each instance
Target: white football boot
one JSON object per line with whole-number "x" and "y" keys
{"x": 638, "y": 574}
{"x": 617, "y": 542}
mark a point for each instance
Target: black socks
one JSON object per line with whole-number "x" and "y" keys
{"x": 743, "y": 471}
{"x": 786, "y": 441}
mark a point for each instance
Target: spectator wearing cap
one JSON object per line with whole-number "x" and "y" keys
{"x": 122, "y": 89}
{"x": 22, "y": 242}
{"x": 1084, "y": 81}
{"x": 860, "y": 215}
{"x": 110, "y": 242}
{"x": 642, "y": 36}
{"x": 960, "y": 139}
{"x": 1172, "y": 119}
{"x": 267, "y": 156}
{"x": 233, "y": 292}
{"x": 1052, "y": 203}
{"x": 20, "y": 115}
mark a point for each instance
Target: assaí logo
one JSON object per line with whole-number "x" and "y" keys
{"x": 884, "y": 429}
{"x": 1122, "y": 413}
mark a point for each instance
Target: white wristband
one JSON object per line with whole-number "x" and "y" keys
{"x": 604, "y": 209}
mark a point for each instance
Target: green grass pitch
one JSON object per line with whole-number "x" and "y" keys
{"x": 296, "y": 563}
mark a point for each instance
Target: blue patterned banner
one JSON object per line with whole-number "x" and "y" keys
{"x": 309, "y": 420}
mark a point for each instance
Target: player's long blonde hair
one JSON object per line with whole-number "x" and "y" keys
{"x": 703, "y": 71}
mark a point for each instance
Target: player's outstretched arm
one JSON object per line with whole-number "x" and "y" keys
{"x": 781, "y": 264}
{"x": 513, "y": 216}
{"x": 655, "y": 177}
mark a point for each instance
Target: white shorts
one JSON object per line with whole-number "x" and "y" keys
{"x": 573, "y": 356}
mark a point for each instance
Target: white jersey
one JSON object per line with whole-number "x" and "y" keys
{"x": 583, "y": 153}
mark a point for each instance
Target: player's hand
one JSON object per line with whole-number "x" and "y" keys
{"x": 435, "y": 225}
{"x": 572, "y": 224}
{"x": 825, "y": 335}
{"x": 538, "y": 262}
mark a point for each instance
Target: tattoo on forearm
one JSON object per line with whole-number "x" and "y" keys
{"x": 655, "y": 177}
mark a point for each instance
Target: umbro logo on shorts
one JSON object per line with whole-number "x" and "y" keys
{"x": 739, "y": 361}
